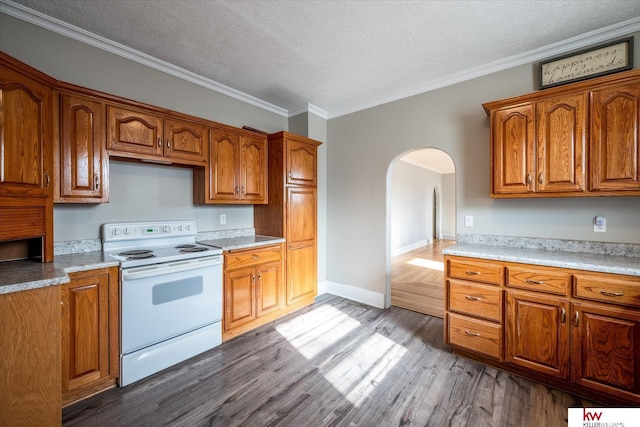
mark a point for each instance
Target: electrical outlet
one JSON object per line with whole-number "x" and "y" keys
{"x": 223, "y": 219}
{"x": 468, "y": 221}
{"x": 600, "y": 224}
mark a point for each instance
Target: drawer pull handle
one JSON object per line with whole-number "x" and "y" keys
{"x": 255, "y": 257}
{"x": 472, "y": 273}
{"x": 563, "y": 315}
{"x": 612, "y": 294}
{"x": 471, "y": 334}
{"x": 472, "y": 298}
{"x": 535, "y": 282}
{"x": 577, "y": 318}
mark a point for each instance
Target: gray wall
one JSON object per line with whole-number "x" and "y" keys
{"x": 448, "y": 206}
{"x": 137, "y": 191}
{"x": 364, "y": 144}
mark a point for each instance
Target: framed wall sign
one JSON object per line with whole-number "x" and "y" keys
{"x": 596, "y": 61}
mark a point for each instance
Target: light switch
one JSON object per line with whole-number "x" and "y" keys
{"x": 223, "y": 219}
{"x": 468, "y": 221}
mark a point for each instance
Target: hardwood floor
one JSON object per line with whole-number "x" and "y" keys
{"x": 335, "y": 363}
{"x": 417, "y": 279}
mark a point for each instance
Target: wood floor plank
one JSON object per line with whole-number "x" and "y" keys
{"x": 335, "y": 363}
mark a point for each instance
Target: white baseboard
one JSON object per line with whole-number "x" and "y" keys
{"x": 411, "y": 247}
{"x": 353, "y": 293}
{"x": 448, "y": 236}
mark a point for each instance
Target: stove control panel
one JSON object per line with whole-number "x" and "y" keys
{"x": 147, "y": 230}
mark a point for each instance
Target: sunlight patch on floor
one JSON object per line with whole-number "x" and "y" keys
{"x": 427, "y": 263}
{"x": 357, "y": 376}
{"x": 308, "y": 338}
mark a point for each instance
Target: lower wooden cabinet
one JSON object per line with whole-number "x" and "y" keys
{"x": 538, "y": 333}
{"x": 573, "y": 329}
{"x": 253, "y": 288}
{"x": 90, "y": 329}
{"x": 606, "y": 349}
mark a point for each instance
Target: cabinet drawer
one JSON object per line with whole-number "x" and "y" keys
{"x": 624, "y": 290}
{"x": 476, "y": 300}
{"x": 475, "y": 335}
{"x": 246, "y": 258}
{"x": 478, "y": 271}
{"x": 539, "y": 279}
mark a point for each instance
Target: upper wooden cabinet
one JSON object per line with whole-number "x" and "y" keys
{"x": 540, "y": 142}
{"x": 302, "y": 160}
{"x": 615, "y": 138}
{"x": 145, "y": 135}
{"x": 81, "y": 162}
{"x": 236, "y": 171}
{"x": 26, "y": 162}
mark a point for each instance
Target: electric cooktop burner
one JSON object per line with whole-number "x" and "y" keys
{"x": 194, "y": 249}
{"x": 135, "y": 252}
{"x": 185, "y": 246}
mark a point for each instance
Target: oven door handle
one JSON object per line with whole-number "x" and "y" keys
{"x": 135, "y": 273}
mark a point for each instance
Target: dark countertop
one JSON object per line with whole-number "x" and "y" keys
{"x": 16, "y": 276}
{"x": 617, "y": 264}
{"x": 232, "y": 243}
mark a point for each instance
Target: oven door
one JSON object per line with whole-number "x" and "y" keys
{"x": 161, "y": 301}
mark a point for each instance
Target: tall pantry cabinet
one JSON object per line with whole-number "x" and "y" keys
{"x": 292, "y": 212}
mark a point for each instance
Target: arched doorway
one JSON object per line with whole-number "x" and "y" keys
{"x": 420, "y": 221}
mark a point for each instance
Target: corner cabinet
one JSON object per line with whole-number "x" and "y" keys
{"x": 579, "y": 139}
{"x": 575, "y": 330}
{"x": 90, "y": 330}
{"x": 253, "y": 288}
{"x": 26, "y": 162}
{"x": 292, "y": 212}
{"x": 236, "y": 171}
{"x": 80, "y": 155}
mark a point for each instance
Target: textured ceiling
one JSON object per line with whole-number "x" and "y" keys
{"x": 340, "y": 56}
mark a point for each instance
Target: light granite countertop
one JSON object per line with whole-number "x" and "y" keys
{"x": 618, "y": 264}
{"x": 16, "y": 276}
{"x": 242, "y": 242}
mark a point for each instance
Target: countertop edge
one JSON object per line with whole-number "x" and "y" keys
{"x": 232, "y": 244}
{"x": 613, "y": 264}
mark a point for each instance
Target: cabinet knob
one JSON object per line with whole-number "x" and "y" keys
{"x": 528, "y": 179}
{"x": 577, "y": 318}
{"x": 96, "y": 181}
{"x": 243, "y": 190}
{"x": 168, "y": 143}
{"x": 541, "y": 178}
{"x": 563, "y": 315}
{"x": 159, "y": 142}
{"x": 290, "y": 175}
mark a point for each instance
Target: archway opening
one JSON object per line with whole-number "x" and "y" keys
{"x": 421, "y": 221}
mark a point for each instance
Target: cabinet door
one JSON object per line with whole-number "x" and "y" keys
{"x": 301, "y": 163}
{"x": 83, "y": 165}
{"x": 615, "y": 134}
{"x": 269, "y": 295}
{"x": 184, "y": 140}
{"x": 25, "y": 135}
{"x": 561, "y": 139}
{"x": 302, "y": 280}
{"x": 512, "y": 140}
{"x": 135, "y": 132}
{"x": 606, "y": 348}
{"x": 239, "y": 297}
{"x": 538, "y": 333}
{"x": 253, "y": 169}
{"x": 223, "y": 163}
{"x": 85, "y": 331}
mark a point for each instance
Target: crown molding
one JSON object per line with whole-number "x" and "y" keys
{"x": 57, "y": 26}
{"x": 579, "y": 42}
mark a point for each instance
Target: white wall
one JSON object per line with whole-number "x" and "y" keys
{"x": 363, "y": 145}
{"x": 412, "y": 205}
